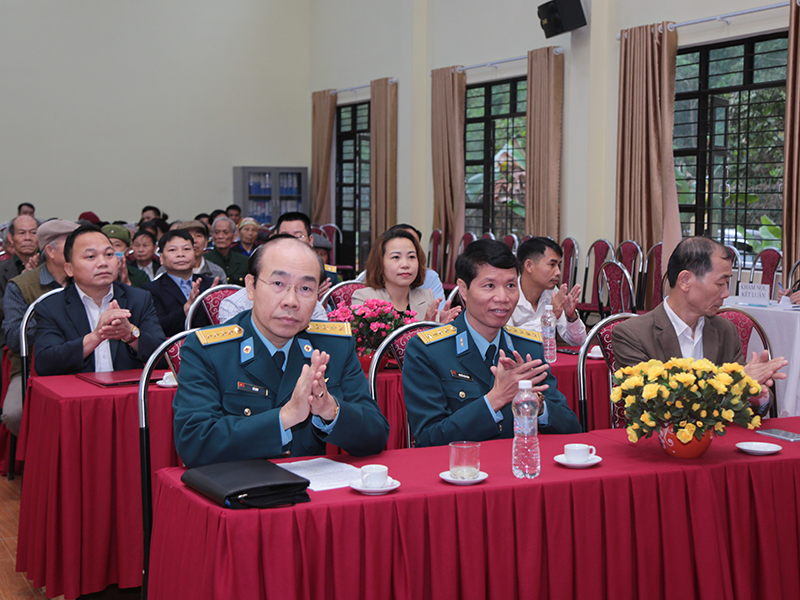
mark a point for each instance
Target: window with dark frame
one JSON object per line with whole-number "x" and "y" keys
{"x": 494, "y": 146}
{"x": 730, "y": 104}
{"x": 352, "y": 183}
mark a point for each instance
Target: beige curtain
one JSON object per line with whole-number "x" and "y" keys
{"x": 448, "y": 96}
{"x": 791, "y": 149}
{"x": 543, "y": 146}
{"x": 323, "y": 118}
{"x": 647, "y": 198}
{"x": 383, "y": 155}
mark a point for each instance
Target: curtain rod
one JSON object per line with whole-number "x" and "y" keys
{"x": 361, "y": 87}
{"x": 494, "y": 63}
{"x": 726, "y": 17}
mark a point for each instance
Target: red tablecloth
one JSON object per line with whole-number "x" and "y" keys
{"x": 639, "y": 525}
{"x": 80, "y": 522}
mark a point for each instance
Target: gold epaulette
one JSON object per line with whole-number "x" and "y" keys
{"x": 329, "y": 328}
{"x": 434, "y": 335}
{"x": 330, "y": 269}
{"x": 524, "y": 333}
{"x": 215, "y": 335}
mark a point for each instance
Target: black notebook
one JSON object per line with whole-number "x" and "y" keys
{"x": 256, "y": 483}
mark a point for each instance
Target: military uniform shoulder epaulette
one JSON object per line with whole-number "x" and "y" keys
{"x": 434, "y": 335}
{"x": 214, "y": 335}
{"x": 329, "y": 328}
{"x": 524, "y": 333}
{"x": 331, "y": 269}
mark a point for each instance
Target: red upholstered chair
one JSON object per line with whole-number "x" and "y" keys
{"x": 614, "y": 282}
{"x": 651, "y": 279}
{"x": 745, "y": 324}
{"x": 569, "y": 261}
{"x": 770, "y": 262}
{"x": 602, "y": 334}
{"x": 435, "y": 253}
{"x": 317, "y": 230}
{"x": 210, "y": 301}
{"x": 396, "y": 343}
{"x": 599, "y": 252}
{"x": 487, "y": 236}
{"x": 512, "y": 242}
{"x": 144, "y": 441}
{"x": 525, "y": 238}
{"x": 5, "y": 255}
{"x": 629, "y": 254}
{"x": 341, "y": 293}
{"x": 173, "y": 357}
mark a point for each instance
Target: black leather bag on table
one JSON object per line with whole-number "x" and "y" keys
{"x": 256, "y": 483}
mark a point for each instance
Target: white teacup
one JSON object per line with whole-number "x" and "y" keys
{"x": 374, "y": 476}
{"x": 578, "y": 453}
{"x": 169, "y": 379}
{"x": 596, "y": 352}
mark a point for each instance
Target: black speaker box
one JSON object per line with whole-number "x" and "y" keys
{"x": 558, "y": 16}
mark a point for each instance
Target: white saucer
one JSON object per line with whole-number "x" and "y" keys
{"x": 165, "y": 384}
{"x": 593, "y": 460}
{"x": 759, "y": 448}
{"x": 391, "y": 485}
{"x": 597, "y": 356}
{"x": 450, "y": 479}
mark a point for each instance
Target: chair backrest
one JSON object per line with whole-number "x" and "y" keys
{"x": 733, "y": 288}
{"x": 601, "y": 331}
{"x": 487, "y": 236}
{"x": 396, "y": 343}
{"x": 317, "y": 230}
{"x": 435, "y": 250}
{"x": 454, "y": 298}
{"x": 466, "y": 240}
{"x": 651, "y": 277}
{"x": 334, "y": 234}
{"x": 342, "y": 293}
{"x": 569, "y": 261}
{"x": 512, "y": 242}
{"x": 793, "y": 275}
{"x": 770, "y": 261}
{"x": 745, "y": 325}
{"x": 144, "y": 443}
{"x": 601, "y": 250}
{"x": 5, "y": 255}
{"x": 210, "y": 300}
{"x": 614, "y": 281}
{"x": 525, "y": 238}
{"x": 629, "y": 254}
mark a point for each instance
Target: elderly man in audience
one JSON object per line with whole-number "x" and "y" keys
{"x": 270, "y": 383}
{"x": 459, "y": 379}
{"x": 97, "y": 323}
{"x": 175, "y": 291}
{"x": 22, "y": 234}
{"x": 684, "y": 325}
{"x": 121, "y": 241}
{"x": 298, "y": 225}
{"x": 223, "y": 254}
{"x": 248, "y": 236}
{"x": 21, "y": 292}
{"x": 539, "y": 261}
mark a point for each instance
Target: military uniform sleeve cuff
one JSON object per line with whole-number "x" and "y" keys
{"x": 496, "y": 415}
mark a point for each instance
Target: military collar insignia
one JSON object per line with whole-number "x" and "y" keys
{"x": 246, "y": 351}
{"x": 306, "y": 347}
{"x": 462, "y": 343}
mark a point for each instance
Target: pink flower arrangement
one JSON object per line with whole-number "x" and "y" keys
{"x": 371, "y": 322}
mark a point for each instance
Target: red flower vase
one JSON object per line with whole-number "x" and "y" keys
{"x": 674, "y": 447}
{"x": 366, "y": 361}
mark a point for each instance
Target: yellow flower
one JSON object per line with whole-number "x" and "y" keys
{"x": 682, "y": 424}
{"x": 618, "y": 374}
{"x": 684, "y": 436}
{"x": 702, "y": 384}
{"x": 678, "y": 404}
{"x": 727, "y": 415}
{"x": 635, "y": 426}
{"x": 673, "y": 384}
{"x": 616, "y": 394}
{"x": 632, "y": 435}
{"x": 756, "y": 421}
{"x": 715, "y": 413}
{"x": 655, "y": 372}
{"x": 632, "y": 382}
{"x": 693, "y": 388}
{"x": 719, "y": 426}
{"x": 703, "y": 413}
{"x": 647, "y": 419}
{"x": 756, "y": 389}
{"x": 719, "y": 386}
{"x": 667, "y": 415}
{"x": 630, "y": 400}
{"x": 650, "y": 391}
{"x": 735, "y": 400}
{"x": 686, "y": 379}
{"x": 690, "y": 428}
{"x": 696, "y": 406}
{"x": 732, "y": 368}
{"x": 724, "y": 378}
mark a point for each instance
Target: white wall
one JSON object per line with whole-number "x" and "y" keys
{"x": 107, "y": 106}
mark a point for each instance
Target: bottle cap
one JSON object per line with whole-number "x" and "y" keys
{"x": 524, "y": 384}
{"x": 548, "y": 307}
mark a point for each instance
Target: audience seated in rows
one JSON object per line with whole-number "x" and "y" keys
{"x": 234, "y": 263}
{"x": 121, "y": 241}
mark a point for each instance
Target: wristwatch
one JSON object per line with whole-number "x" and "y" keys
{"x": 335, "y": 414}
{"x": 134, "y": 335}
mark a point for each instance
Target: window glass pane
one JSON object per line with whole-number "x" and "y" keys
{"x": 476, "y": 99}
{"x": 501, "y": 97}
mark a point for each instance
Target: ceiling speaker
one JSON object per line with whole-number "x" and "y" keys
{"x": 559, "y": 16}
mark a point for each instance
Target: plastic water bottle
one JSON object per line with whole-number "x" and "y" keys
{"x": 549, "y": 334}
{"x": 525, "y": 460}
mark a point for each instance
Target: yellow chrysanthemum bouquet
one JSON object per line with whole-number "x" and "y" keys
{"x": 692, "y": 395}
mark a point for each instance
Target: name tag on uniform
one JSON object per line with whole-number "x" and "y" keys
{"x": 253, "y": 389}
{"x": 461, "y": 376}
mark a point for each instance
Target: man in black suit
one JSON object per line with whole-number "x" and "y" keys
{"x": 97, "y": 323}
{"x": 174, "y": 291}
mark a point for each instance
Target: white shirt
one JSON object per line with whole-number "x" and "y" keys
{"x": 148, "y": 269}
{"x": 526, "y": 317}
{"x": 239, "y": 302}
{"x": 102, "y": 354}
{"x": 691, "y": 345}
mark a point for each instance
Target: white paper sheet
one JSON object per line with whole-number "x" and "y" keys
{"x": 324, "y": 473}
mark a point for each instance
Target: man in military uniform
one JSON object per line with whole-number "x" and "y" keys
{"x": 268, "y": 383}
{"x": 457, "y": 386}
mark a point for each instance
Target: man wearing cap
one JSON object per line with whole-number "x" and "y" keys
{"x": 21, "y": 292}
{"x": 199, "y": 233}
{"x": 223, "y": 254}
{"x": 22, "y": 234}
{"x": 96, "y": 324}
{"x": 248, "y": 236}
{"x": 175, "y": 291}
{"x": 121, "y": 240}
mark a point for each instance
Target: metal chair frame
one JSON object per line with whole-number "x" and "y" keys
{"x": 202, "y": 296}
{"x": 388, "y": 346}
{"x": 602, "y": 283}
{"x": 435, "y": 250}
{"x": 337, "y": 233}
{"x": 488, "y": 235}
{"x": 570, "y": 262}
{"x": 583, "y": 412}
{"x": 635, "y": 269}
{"x": 327, "y": 297}
{"x": 454, "y": 296}
{"x": 592, "y": 253}
{"x": 144, "y": 447}
{"x": 23, "y": 352}
{"x": 642, "y": 302}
